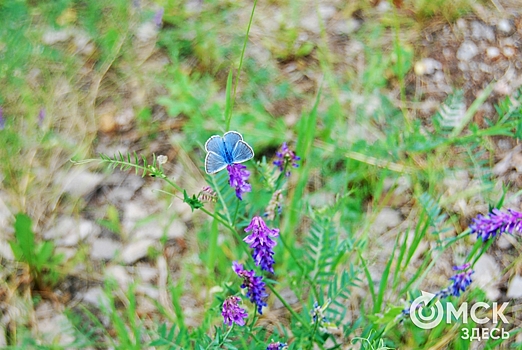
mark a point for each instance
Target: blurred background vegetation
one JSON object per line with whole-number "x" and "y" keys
{"x": 346, "y": 83}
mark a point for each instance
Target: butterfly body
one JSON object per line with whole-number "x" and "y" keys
{"x": 227, "y": 150}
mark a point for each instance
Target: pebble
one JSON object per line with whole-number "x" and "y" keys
{"x": 54, "y": 327}
{"x": 504, "y": 26}
{"x": 78, "y": 182}
{"x": 136, "y": 251}
{"x": 492, "y": 52}
{"x": 95, "y": 296}
{"x": 386, "y": 219}
{"x": 146, "y": 273}
{"x": 124, "y": 119}
{"x": 427, "y": 66}
{"x": 3, "y": 340}
{"x": 147, "y": 32}
{"x": 480, "y": 31}
{"x": 508, "y": 51}
{"x": 486, "y": 276}
{"x": 119, "y": 274}
{"x": 345, "y": 27}
{"x": 69, "y": 231}
{"x": 52, "y": 37}
{"x": 467, "y": 51}
{"x": 515, "y": 287}
{"x": 104, "y": 249}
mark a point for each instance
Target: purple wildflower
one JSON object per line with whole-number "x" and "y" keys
{"x": 238, "y": 179}
{"x": 158, "y": 17}
{"x": 496, "y": 223}
{"x": 2, "y": 120}
{"x": 254, "y": 284}
{"x": 461, "y": 282}
{"x": 207, "y": 194}
{"x": 41, "y": 117}
{"x": 260, "y": 241}
{"x": 232, "y": 312}
{"x": 286, "y": 157}
{"x": 276, "y": 346}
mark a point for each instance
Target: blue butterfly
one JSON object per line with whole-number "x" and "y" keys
{"x": 227, "y": 150}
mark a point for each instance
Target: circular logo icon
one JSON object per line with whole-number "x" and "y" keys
{"x": 420, "y": 318}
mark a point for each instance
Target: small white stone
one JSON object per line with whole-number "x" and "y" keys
{"x": 492, "y": 52}
{"x": 52, "y": 37}
{"x": 427, "y": 66}
{"x": 147, "y": 32}
{"x": 79, "y": 182}
{"x": 467, "y": 51}
{"x": 386, "y": 219}
{"x": 481, "y": 31}
{"x": 148, "y": 290}
{"x": 125, "y": 118}
{"x": 504, "y": 26}
{"x": 326, "y": 11}
{"x": 5, "y": 250}
{"x": 508, "y": 51}
{"x": 147, "y": 273}
{"x": 487, "y": 273}
{"x": 95, "y": 296}
{"x": 104, "y": 249}
{"x": 515, "y": 287}
{"x": 136, "y": 251}
{"x": 119, "y": 274}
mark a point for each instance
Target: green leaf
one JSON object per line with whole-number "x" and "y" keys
{"x": 24, "y": 237}
{"x": 194, "y": 202}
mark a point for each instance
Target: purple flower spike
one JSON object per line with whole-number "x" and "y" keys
{"x": 238, "y": 179}
{"x": 276, "y": 346}
{"x": 254, "y": 284}
{"x": 496, "y": 223}
{"x": 461, "y": 282}
{"x": 286, "y": 157}
{"x": 41, "y": 117}
{"x": 260, "y": 240}
{"x": 462, "y": 267}
{"x": 232, "y": 312}
{"x": 2, "y": 120}
{"x": 158, "y": 17}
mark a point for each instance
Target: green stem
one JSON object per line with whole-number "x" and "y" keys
{"x": 225, "y": 208}
{"x": 223, "y": 339}
{"x": 298, "y": 263}
{"x": 229, "y": 117}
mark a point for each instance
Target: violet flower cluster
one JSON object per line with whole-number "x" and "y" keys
{"x": 254, "y": 284}
{"x": 238, "y": 179}
{"x": 2, "y": 120}
{"x": 276, "y": 346}
{"x": 461, "y": 282}
{"x": 232, "y": 312}
{"x": 496, "y": 223}
{"x": 286, "y": 157}
{"x": 260, "y": 240}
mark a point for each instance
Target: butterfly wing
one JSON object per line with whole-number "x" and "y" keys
{"x": 231, "y": 138}
{"x": 214, "y": 144}
{"x": 242, "y": 152}
{"x": 214, "y": 162}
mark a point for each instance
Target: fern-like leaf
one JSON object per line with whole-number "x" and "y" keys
{"x": 452, "y": 110}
